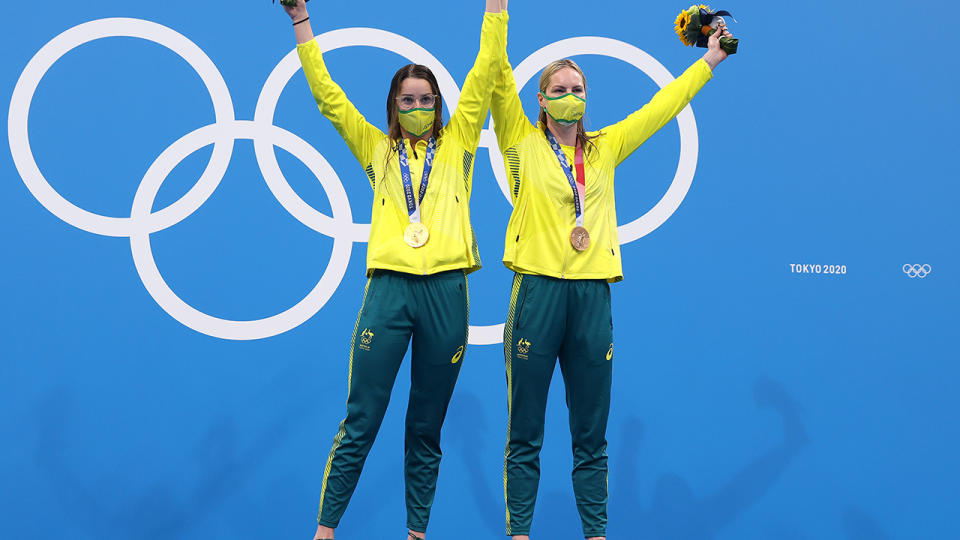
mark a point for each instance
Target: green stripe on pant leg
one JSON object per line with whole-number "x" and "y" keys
{"x": 466, "y": 333}
{"x": 382, "y": 338}
{"x": 340, "y": 431}
{"x": 508, "y": 354}
{"x": 540, "y": 327}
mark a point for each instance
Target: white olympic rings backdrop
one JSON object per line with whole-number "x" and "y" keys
{"x": 917, "y": 270}
{"x": 266, "y": 136}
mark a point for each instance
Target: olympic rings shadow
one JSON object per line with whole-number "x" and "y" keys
{"x": 168, "y": 507}
{"x": 675, "y": 513}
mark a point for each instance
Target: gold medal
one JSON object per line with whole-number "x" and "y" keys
{"x": 416, "y": 235}
{"x": 580, "y": 238}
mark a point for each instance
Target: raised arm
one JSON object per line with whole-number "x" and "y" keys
{"x": 628, "y": 134}
{"x": 301, "y": 21}
{"x": 467, "y": 121}
{"x": 361, "y": 136}
{"x": 509, "y": 122}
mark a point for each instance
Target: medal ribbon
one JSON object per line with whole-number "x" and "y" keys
{"x": 578, "y": 185}
{"x": 413, "y": 203}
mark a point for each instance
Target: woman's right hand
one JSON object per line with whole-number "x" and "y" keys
{"x": 297, "y": 12}
{"x": 301, "y": 23}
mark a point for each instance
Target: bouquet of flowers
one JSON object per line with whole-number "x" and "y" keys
{"x": 696, "y": 24}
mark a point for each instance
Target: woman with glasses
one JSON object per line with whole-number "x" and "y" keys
{"x": 421, "y": 247}
{"x": 562, "y": 244}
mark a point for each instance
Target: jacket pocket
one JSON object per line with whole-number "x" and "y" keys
{"x": 519, "y": 223}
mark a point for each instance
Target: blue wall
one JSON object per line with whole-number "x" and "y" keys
{"x": 751, "y": 399}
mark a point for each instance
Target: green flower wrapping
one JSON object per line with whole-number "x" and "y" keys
{"x": 697, "y": 23}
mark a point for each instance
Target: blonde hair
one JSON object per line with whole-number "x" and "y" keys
{"x": 548, "y": 72}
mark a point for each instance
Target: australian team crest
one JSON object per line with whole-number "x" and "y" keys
{"x": 523, "y": 347}
{"x": 366, "y": 338}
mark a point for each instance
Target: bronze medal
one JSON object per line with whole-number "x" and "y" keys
{"x": 416, "y": 235}
{"x": 580, "y": 238}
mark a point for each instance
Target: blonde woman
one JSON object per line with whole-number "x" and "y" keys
{"x": 421, "y": 248}
{"x": 562, "y": 244}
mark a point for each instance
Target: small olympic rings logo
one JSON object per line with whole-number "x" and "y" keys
{"x": 226, "y": 130}
{"x": 917, "y": 270}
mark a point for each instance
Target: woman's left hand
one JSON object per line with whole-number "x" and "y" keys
{"x": 715, "y": 54}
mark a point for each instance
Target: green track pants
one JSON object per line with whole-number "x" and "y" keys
{"x": 434, "y": 311}
{"x": 570, "y": 319}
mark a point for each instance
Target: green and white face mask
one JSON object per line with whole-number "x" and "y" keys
{"x": 417, "y": 121}
{"x": 566, "y": 109}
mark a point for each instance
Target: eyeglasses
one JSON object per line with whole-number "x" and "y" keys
{"x": 408, "y": 101}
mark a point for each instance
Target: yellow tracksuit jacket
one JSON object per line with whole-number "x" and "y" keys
{"x": 445, "y": 209}
{"x": 538, "y": 234}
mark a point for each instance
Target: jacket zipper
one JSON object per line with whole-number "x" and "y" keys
{"x": 563, "y": 267}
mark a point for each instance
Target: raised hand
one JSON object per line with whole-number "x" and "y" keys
{"x": 296, "y": 9}
{"x": 715, "y": 54}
